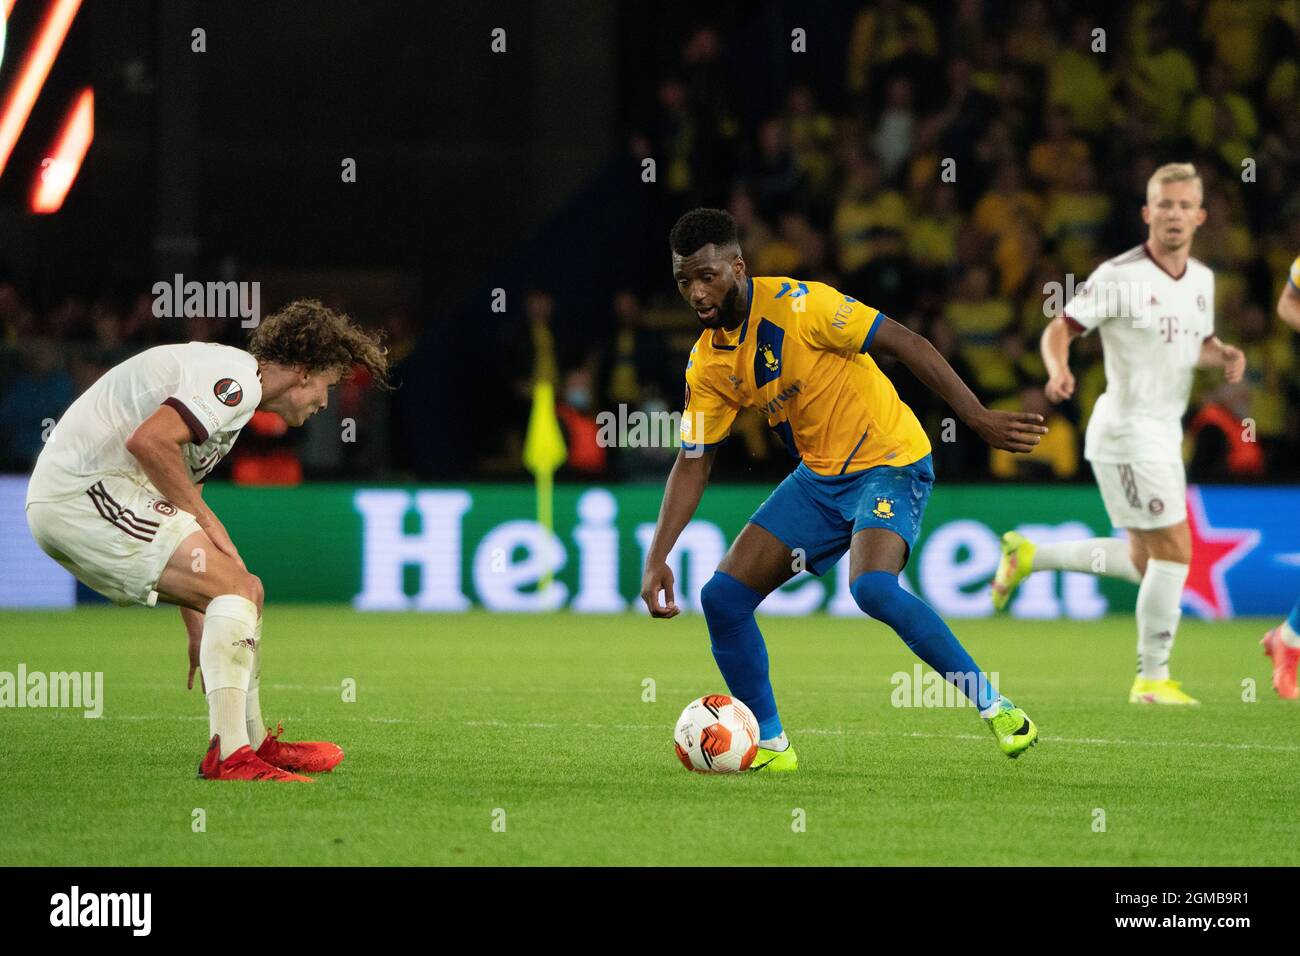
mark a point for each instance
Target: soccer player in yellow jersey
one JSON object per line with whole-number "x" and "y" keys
{"x": 801, "y": 352}
{"x": 1283, "y": 642}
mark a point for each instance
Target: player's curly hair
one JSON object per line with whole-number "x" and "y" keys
{"x": 308, "y": 334}
{"x": 699, "y": 227}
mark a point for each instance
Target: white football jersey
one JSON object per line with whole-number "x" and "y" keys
{"x": 215, "y": 388}
{"x": 1152, "y": 327}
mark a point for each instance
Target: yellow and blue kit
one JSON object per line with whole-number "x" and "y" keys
{"x": 801, "y": 356}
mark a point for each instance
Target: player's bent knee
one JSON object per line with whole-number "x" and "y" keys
{"x": 723, "y": 598}
{"x": 879, "y": 595}
{"x": 250, "y": 586}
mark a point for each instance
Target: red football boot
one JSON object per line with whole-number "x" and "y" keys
{"x": 1285, "y": 659}
{"x": 306, "y": 756}
{"x": 243, "y": 764}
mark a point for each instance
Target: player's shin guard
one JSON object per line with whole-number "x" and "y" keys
{"x": 253, "y": 704}
{"x": 226, "y": 658}
{"x": 924, "y": 632}
{"x": 738, "y": 647}
{"x": 1158, "y": 612}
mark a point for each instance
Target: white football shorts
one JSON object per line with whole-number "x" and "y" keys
{"x": 116, "y": 538}
{"x": 1143, "y": 495}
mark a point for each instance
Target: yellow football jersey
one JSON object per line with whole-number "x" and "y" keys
{"x": 1295, "y": 272}
{"x": 800, "y": 356}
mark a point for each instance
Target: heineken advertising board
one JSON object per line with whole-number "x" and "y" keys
{"x": 450, "y": 548}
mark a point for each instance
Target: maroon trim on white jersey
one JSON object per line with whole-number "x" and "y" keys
{"x": 1075, "y": 325}
{"x": 1176, "y": 278}
{"x": 1136, "y": 254}
{"x": 198, "y": 434}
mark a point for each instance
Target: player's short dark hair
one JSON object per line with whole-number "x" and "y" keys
{"x": 699, "y": 227}
{"x": 308, "y": 334}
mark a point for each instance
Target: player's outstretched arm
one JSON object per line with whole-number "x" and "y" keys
{"x": 1288, "y": 306}
{"x": 156, "y": 445}
{"x": 686, "y": 484}
{"x": 1010, "y": 431}
{"x": 1055, "y": 348}
{"x": 1217, "y": 354}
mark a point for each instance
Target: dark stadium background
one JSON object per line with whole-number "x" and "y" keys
{"x": 521, "y": 171}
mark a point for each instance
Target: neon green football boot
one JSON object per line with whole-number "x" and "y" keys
{"x": 1015, "y": 732}
{"x": 1017, "y": 564}
{"x": 774, "y": 761}
{"x": 1149, "y": 691}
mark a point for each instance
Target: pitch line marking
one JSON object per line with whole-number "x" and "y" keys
{"x": 1090, "y": 741}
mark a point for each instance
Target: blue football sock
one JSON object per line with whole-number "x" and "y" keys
{"x": 1294, "y": 619}
{"x": 924, "y": 632}
{"x": 738, "y": 647}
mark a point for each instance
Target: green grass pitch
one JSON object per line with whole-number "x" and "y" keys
{"x": 459, "y": 717}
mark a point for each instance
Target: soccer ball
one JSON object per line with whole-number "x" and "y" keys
{"x": 716, "y": 734}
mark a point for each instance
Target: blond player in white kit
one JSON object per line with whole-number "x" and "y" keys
{"x": 116, "y": 498}
{"x": 1154, "y": 309}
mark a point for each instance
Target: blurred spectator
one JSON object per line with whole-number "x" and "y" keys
{"x": 636, "y": 361}
{"x": 32, "y": 403}
{"x": 586, "y": 456}
{"x": 1223, "y": 120}
{"x": 1235, "y": 30}
{"x": 1074, "y": 219}
{"x": 978, "y": 318}
{"x": 884, "y": 33}
{"x": 1163, "y": 79}
{"x": 262, "y": 458}
{"x": 774, "y": 177}
{"x": 812, "y": 139}
{"x": 892, "y": 139}
{"x": 1223, "y": 448}
{"x": 1030, "y": 41}
{"x": 1077, "y": 80}
{"x": 675, "y": 140}
{"x": 713, "y": 98}
{"x": 1053, "y": 158}
{"x": 1007, "y": 203}
{"x": 1055, "y": 457}
{"x": 932, "y": 235}
{"x": 864, "y": 207}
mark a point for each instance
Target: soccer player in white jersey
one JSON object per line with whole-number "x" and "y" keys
{"x": 116, "y": 498}
{"x": 1154, "y": 309}
{"x": 1283, "y": 642}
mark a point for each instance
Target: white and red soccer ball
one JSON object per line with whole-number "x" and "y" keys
{"x": 716, "y": 734}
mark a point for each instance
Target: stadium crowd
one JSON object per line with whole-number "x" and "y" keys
{"x": 962, "y": 172}
{"x": 965, "y": 167}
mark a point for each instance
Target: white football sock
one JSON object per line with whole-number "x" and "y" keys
{"x": 775, "y": 743}
{"x": 1158, "y": 612}
{"x": 226, "y": 658}
{"x": 1289, "y": 637}
{"x": 253, "y": 705}
{"x": 1108, "y": 557}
